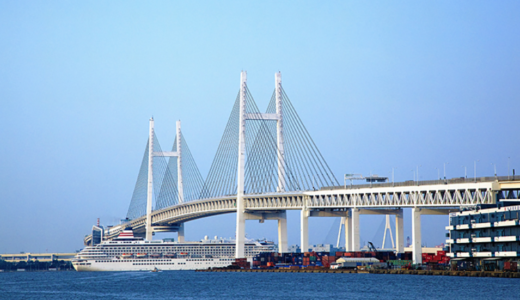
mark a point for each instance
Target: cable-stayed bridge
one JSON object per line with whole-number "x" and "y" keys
{"x": 266, "y": 164}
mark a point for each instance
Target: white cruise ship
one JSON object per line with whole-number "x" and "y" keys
{"x": 129, "y": 253}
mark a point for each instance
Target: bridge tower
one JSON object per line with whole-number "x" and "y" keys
{"x": 282, "y": 220}
{"x": 243, "y": 117}
{"x": 180, "y": 185}
{"x": 241, "y": 219}
{"x": 149, "y": 194}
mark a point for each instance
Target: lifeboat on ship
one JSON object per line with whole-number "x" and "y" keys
{"x": 141, "y": 255}
{"x": 155, "y": 255}
{"x": 170, "y": 255}
{"x": 127, "y": 255}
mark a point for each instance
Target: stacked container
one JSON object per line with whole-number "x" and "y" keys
{"x": 241, "y": 263}
{"x": 510, "y": 266}
{"x": 327, "y": 260}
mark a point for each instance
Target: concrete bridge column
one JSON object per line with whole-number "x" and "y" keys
{"x": 416, "y": 228}
{"x": 282, "y": 233}
{"x": 304, "y": 230}
{"x": 240, "y": 238}
{"x": 355, "y": 229}
{"x": 416, "y": 236}
{"x": 180, "y": 233}
{"x": 347, "y": 220}
{"x": 399, "y": 231}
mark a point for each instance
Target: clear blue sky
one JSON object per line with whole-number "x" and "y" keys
{"x": 379, "y": 84}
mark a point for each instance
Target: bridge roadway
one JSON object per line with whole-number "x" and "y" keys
{"x": 425, "y": 197}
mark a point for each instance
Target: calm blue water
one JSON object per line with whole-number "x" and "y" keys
{"x": 198, "y": 285}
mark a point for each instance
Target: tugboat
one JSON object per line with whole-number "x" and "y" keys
{"x": 155, "y": 270}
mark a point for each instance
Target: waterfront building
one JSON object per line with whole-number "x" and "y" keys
{"x": 325, "y": 248}
{"x": 485, "y": 237}
{"x": 43, "y": 257}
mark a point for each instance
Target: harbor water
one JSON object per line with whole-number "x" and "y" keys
{"x": 208, "y": 285}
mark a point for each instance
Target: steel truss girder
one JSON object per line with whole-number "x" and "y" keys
{"x": 403, "y": 199}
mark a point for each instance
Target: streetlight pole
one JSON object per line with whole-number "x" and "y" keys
{"x": 445, "y": 170}
{"x": 465, "y": 172}
{"x": 508, "y": 169}
{"x": 476, "y": 170}
{"x": 495, "y": 168}
{"x": 413, "y": 174}
{"x": 438, "y": 173}
{"x": 418, "y": 174}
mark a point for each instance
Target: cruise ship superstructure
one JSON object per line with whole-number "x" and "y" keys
{"x": 129, "y": 253}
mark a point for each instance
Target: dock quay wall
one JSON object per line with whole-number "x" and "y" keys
{"x": 395, "y": 272}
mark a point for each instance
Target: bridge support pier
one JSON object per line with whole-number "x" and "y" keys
{"x": 282, "y": 233}
{"x": 304, "y": 230}
{"x": 355, "y": 229}
{"x": 399, "y": 231}
{"x": 180, "y": 233}
{"x": 416, "y": 236}
{"x": 347, "y": 223}
{"x": 240, "y": 238}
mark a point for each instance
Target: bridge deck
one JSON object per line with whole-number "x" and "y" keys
{"x": 452, "y": 193}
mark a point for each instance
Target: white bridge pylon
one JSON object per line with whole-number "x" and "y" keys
{"x": 149, "y": 198}
{"x": 243, "y": 117}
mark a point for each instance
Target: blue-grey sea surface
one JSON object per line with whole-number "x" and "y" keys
{"x": 208, "y": 285}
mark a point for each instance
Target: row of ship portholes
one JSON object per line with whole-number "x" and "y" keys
{"x": 154, "y": 264}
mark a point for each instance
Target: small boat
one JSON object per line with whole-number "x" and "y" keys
{"x": 155, "y": 270}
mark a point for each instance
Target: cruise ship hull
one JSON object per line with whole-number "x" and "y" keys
{"x": 150, "y": 264}
{"x": 128, "y": 253}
